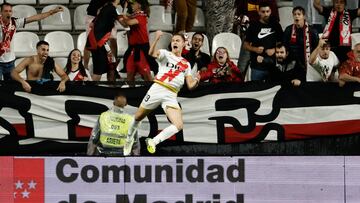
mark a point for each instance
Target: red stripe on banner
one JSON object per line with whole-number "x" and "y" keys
{"x": 308, "y": 130}
{"x": 82, "y": 131}
{"x": 321, "y": 129}
{"x": 6, "y": 179}
{"x": 28, "y": 180}
{"x": 20, "y": 129}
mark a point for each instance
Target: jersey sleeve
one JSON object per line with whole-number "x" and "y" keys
{"x": 188, "y": 70}
{"x": 20, "y": 22}
{"x": 161, "y": 55}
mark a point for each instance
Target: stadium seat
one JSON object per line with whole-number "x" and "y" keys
{"x": 24, "y": 44}
{"x": 154, "y": 2}
{"x": 205, "y": 47}
{"x": 23, "y": 11}
{"x": 355, "y": 38}
{"x": 122, "y": 43}
{"x": 285, "y": 15}
{"x": 59, "y": 21}
{"x": 164, "y": 41}
{"x": 81, "y": 1}
{"x": 54, "y": 1}
{"x": 356, "y": 22}
{"x": 61, "y": 61}
{"x": 79, "y": 17}
{"x": 61, "y": 43}
{"x": 23, "y": 73}
{"x": 199, "y": 3}
{"x": 230, "y": 41}
{"x": 24, "y": 2}
{"x": 1, "y": 1}
{"x": 159, "y": 20}
{"x": 199, "y": 22}
{"x": 81, "y": 42}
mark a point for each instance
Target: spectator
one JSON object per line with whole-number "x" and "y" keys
{"x": 350, "y": 69}
{"x": 185, "y": 12}
{"x": 109, "y": 134}
{"x": 324, "y": 63}
{"x": 338, "y": 27}
{"x": 74, "y": 67}
{"x": 39, "y": 67}
{"x": 195, "y": 56}
{"x": 97, "y": 41}
{"x": 288, "y": 70}
{"x": 136, "y": 57}
{"x": 300, "y": 38}
{"x": 92, "y": 11}
{"x": 246, "y": 12}
{"x": 8, "y": 26}
{"x": 261, "y": 38}
{"x": 221, "y": 68}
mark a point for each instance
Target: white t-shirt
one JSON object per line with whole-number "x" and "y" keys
{"x": 325, "y": 65}
{"x": 76, "y": 76}
{"x": 9, "y": 54}
{"x": 172, "y": 70}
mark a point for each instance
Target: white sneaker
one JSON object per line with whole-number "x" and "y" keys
{"x": 128, "y": 146}
{"x": 151, "y": 146}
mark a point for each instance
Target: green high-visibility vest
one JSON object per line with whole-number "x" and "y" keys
{"x": 114, "y": 129}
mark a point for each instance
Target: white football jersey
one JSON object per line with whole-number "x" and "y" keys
{"x": 172, "y": 70}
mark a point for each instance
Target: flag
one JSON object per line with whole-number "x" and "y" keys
{"x": 6, "y": 179}
{"x": 28, "y": 180}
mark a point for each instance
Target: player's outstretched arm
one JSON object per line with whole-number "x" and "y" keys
{"x": 152, "y": 52}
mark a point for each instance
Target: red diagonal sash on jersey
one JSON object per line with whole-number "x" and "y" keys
{"x": 172, "y": 74}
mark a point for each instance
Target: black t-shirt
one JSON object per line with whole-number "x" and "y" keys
{"x": 265, "y": 35}
{"x": 94, "y": 5}
{"x": 202, "y": 60}
{"x": 297, "y": 49}
{"x": 104, "y": 22}
{"x": 334, "y": 37}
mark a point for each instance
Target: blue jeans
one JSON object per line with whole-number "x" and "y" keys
{"x": 259, "y": 74}
{"x": 5, "y": 70}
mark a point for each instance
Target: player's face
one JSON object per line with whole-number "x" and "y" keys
{"x": 281, "y": 54}
{"x": 177, "y": 44}
{"x": 75, "y": 57}
{"x": 197, "y": 42}
{"x": 339, "y": 5}
{"x": 265, "y": 13}
{"x": 43, "y": 51}
{"x": 221, "y": 55}
{"x": 6, "y": 12}
{"x": 299, "y": 17}
{"x": 357, "y": 52}
{"x": 324, "y": 52}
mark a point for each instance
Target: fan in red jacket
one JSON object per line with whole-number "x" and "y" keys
{"x": 221, "y": 68}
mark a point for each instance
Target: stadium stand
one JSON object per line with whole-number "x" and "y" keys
{"x": 61, "y": 43}
{"x": 30, "y": 2}
{"x": 54, "y": 1}
{"x": 230, "y": 41}
{"x": 122, "y": 43}
{"x": 164, "y": 41}
{"x": 59, "y": 21}
{"x": 79, "y": 17}
{"x": 285, "y": 15}
{"x": 23, "y": 11}
{"x": 81, "y": 41}
{"x": 159, "y": 20}
{"x": 24, "y": 43}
